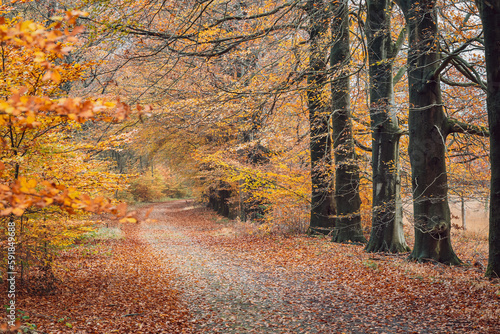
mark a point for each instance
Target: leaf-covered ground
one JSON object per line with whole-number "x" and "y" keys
{"x": 186, "y": 270}
{"x": 111, "y": 286}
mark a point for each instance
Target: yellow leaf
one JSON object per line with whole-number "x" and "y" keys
{"x": 55, "y": 76}
{"x": 18, "y": 211}
{"x": 128, "y": 220}
{"x": 40, "y": 57}
{"x": 30, "y": 119}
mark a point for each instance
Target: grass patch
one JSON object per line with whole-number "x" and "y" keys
{"x": 99, "y": 234}
{"x": 371, "y": 265}
{"x": 105, "y": 233}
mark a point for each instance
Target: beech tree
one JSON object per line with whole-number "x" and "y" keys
{"x": 427, "y": 136}
{"x": 387, "y": 215}
{"x": 429, "y": 127}
{"x": 490, "y": 16}
{"x": 322, "y": 195}
{"x": 348, "y": 201}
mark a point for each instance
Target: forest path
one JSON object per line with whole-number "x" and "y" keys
{"x": 234, "y": 283}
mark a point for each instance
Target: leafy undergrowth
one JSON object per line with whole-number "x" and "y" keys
{"x": 109, "y": 286}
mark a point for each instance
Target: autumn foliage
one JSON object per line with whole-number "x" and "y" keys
{"x": 49, "y": 181}
{"x": 361, "y": 122}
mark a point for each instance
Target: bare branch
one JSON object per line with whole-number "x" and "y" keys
{"x": 459, "y": 84}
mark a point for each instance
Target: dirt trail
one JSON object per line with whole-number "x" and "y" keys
{"x": 240, "y": 284}
{"x": 224, "y": 294}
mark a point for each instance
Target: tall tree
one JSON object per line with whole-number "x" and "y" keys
{"x": 322, "y": 196}
{"x": 387, "y": 216}
{"x": 490, "y": 16}
{"x": 427, "y": 122}
{"x": 348, "y": 201}
{"x": 427, "y": 129}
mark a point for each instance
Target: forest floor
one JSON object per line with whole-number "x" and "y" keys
{"x": 186, "y": 270}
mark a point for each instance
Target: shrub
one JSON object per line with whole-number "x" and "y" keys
{"x": 147, "y": 188}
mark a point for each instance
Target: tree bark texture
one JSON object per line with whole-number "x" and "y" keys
{"x": 348, "y": 221}
{"x": 387, "y": 216}
{"x": 427, "y": 130}
{"x": 490, "y": 15}
{"x": 322, "y": 196}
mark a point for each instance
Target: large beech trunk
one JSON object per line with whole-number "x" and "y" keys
{"x": 387, "y": 216}
{"x": 428, "y": 128}
{"x": 348, "y": 222}
{"x": 322, "y": 200}
{"x": 490, "y": 14}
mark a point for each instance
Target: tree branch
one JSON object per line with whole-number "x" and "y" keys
{"x": 459, "y": 84}
{"x": 468, "y": 70}
{"x": 451, "y": 57}
{"x": 396, "y": 46}
{"x": 456, "y": 126}
{"x": 400, "y": 74}
{"x": 361, "y": 146}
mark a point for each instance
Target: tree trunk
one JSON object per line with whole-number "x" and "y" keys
{"x": 427, "y": 124}
{"x": 322, "y": 200}
{"x": 348, "y": 202}
{"x": 490, "y": 13}
{"x": 462, "y": 200}
{"x": 218, "y": 199}
{"x": 387, "y": 218}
